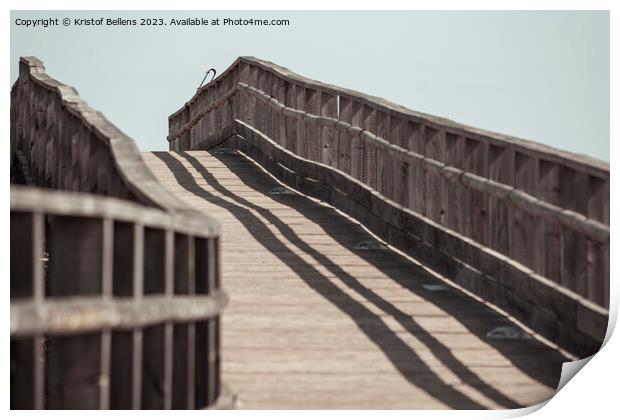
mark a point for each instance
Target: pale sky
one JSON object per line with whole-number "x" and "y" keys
{"x": 542, "y": 76}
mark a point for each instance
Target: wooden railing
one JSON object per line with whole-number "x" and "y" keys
{"x": 70, "y": 146}
{"x": 522, "y": 225}
{"x": 115, "y": 295}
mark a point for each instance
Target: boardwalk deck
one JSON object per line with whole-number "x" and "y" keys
{"x": 315, "y": 323}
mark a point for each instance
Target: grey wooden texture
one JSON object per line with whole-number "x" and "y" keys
{"x": 314, "y": 323}
{"x": 252, "y": 64}
{"x": 499, "y": 210}
{"x": 519, "y": 224}
{"x": 70, "y": 146}
{"x": 556, "y": 312}
{"x": 72, "y": 315}
{"x": 520, "y": 235}
{"x": 63, "y": 203}
{"x": 89, "y": 260}
{"x": 93, "y": 303}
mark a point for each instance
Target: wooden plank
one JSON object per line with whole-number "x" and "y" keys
{"x": 252, "y": 111}
{"x": 401, "y": 177}
{"x": 524, "y": 230}
{"x": 107, "y": 260}
{"x": 452, "y": 204}
{"x": 369, "y": 151}
{"x": 312, "y": 106}
{"x": 435, "y": 190}
{"x": 290, "y": 123}
{"x": 328, "y": 137}
{"x": 598, "y": 277}
{"x": 385, "y": 173}
{"x": 137, "y": 335}
{"x": 598, "y": 203}
{"x": 501, "y": 169}
{"x": 475, "y": 161}
{"x": 552, "y": 253}
{"x": 301, "y": 146}
{"x": 401, "y": 166}
{"x": 357, "y": 147}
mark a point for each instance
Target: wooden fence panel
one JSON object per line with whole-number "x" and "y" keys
{"x": 540, "y": 208}
{"x": 91, "y": 311}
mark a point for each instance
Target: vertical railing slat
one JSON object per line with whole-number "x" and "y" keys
{"x": 328, "y": 138}
{"x": 212, "y": 351}
{"x": 107, "y": 271}
{"x": 138, "y": 286}
{"x": 38, "y": 287}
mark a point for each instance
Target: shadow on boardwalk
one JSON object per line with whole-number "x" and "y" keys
{"x": 403, "y": 357}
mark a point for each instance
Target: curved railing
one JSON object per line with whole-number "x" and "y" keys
{"x": 70, "y": 146}
{"x": 522, "y": 225}
{"x": 115, "y": 295}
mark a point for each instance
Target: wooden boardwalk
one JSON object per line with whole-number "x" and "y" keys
{"x": 315, "y": 323}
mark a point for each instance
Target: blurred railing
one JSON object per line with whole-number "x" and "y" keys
{"x": 522, "y": 225}
{"x": 115, "y": 284}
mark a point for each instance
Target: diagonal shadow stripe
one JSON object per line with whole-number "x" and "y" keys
{"x": 439, "y": 350}
{"x": 547, "y": 365}
{"x": 548, "y": 361}
{"x": 402, "y": 357}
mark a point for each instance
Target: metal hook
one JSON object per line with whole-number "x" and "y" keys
{"x": 205, "y": 78}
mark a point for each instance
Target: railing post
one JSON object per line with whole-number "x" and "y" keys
{"x": 138, "y": 290}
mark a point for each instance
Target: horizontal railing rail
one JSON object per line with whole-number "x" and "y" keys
{"x": 478, "y": 190}
{"x": 281, "y": 83}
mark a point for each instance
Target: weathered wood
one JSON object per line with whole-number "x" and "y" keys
{"x": 315, "y": 312}
{"x": 100, "y": 256}
{"x": 484, "y": 190}
{"x": 400, "y": 226}
{"x": 520, "y": 225}
{"x": 70, "y": 384}
{"x": 327, "y": 135}
{"x": 345, "y": 152}
{"x": 71, "y": 146}
{"x": 312, "y": 106}
{"x": 300, "y": 99}
{"x": 289, "y": 122}
{"x": 578, "y": 162}
{"x": 477, "y": 182}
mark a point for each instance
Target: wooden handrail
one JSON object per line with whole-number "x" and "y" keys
{"x": 61, "y": 134}
{"x": 573, "y": 220}
{"x": 105, "y": 262}
{"x": 561, "y": 156}
{"x": 511, "y": 220}
{"x": 86, "y": 265}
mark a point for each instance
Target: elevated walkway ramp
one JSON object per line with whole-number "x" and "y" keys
{"x": 316, "y": 320}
